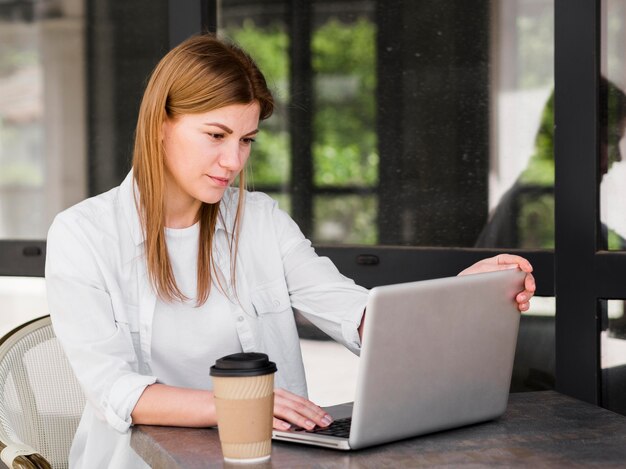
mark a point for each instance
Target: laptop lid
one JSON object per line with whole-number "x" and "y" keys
{"x": 436, "y": 354}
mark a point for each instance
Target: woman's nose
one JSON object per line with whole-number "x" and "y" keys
{"x": 230, "y": 159}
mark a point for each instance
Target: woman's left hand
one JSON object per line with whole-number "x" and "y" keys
{"x": 503, "y": 262}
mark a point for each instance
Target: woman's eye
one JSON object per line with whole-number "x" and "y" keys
{"x": 216, "y": 136}
{"x": 248, "y": 140}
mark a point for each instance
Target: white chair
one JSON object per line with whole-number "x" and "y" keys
{"x": 41, "y": 401}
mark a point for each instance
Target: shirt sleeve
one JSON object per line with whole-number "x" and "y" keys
{"x": 317, "y": 289}
{"x": 98, "y": 346}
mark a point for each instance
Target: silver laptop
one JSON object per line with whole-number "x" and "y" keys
{"x": 437, "y": 354}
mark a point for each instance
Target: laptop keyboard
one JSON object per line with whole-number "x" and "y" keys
{"x": 339, "y": 428}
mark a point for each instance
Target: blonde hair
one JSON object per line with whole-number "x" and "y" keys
{"x": 201, "y": 74}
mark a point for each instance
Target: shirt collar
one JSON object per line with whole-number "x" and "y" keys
{"x": 129, "y": 200}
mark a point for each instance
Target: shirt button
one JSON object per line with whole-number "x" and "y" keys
{"x": 276, "y": 303}
{"x": 240, "y": 318}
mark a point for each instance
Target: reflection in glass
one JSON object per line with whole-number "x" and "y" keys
{"x": 521, "y": 190}
{"x": 613, "y": 67}
{"x": 345, "y": 219}
{"x": 42, "y": 119}
{"x": 613, "y": 355}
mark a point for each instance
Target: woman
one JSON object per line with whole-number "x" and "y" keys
{"x": 152, "y": 281}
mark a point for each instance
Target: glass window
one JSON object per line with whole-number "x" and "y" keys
{"x": 264, "y": 35}
{"x": 42, "y": 114}
{"x": 521, "y": 172}
{"x": 612, "y": 125}
{"x": 344, "y": 146}
{"x": 342, "y": 149}
{"x": 417, "y": 135}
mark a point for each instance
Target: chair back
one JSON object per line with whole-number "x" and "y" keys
{"x": 41, "y": 401}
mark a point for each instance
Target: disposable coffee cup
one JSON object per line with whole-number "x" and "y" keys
{"x": 243, "y": 388}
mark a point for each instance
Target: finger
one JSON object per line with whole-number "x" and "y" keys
{"x": 281, "y": 424}
{"x": 521, "y": 262}
{"x": 299, "y": 400}
{"x": 523, "y": 307}
{"x": 523, "y": 297}
{"x": 293, "y": 416}
{"x": 299, "y": 411}
{"x": 306, "y": 413}
{"x": 480, "y": 268}
{"x": 529, "y": 283}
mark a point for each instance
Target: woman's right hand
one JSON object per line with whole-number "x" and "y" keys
{"x": 291, "y": 409}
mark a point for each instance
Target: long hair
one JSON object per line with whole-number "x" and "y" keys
{"x": 201, "y": 74}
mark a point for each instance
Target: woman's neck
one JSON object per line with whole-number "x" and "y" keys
{"x": 182, "y": 216}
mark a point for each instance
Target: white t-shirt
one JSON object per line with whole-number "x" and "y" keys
{"x": 186, "y": 340}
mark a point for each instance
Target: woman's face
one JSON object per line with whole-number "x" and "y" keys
{"x": 204, "y": 153}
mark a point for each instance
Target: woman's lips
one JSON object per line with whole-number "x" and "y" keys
{"x": 220, "y": 181}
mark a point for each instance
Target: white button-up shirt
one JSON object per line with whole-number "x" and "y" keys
{"x": 102, "y": 304}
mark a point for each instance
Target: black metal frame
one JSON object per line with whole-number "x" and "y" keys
{"x": 577, "y": 65}
{"x": 577, "y": 272}
{"x": 584, "y": 274}
{"x": 300, "y": 117}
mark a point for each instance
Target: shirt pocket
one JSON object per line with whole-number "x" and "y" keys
{"x": 271, "y": 298}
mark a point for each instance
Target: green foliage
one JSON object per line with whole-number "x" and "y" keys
{"x": 345, "y": 147}
{"x": 268, "y": 46}
{"x": 344, "y": 143}
{"x": 540, "y": 169}
{"x": 536, "y": 222}
{"x": 347, "y": 219}
{"x": 269, "y": 161}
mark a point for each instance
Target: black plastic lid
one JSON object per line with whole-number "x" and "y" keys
{"x": 243, "y": 364}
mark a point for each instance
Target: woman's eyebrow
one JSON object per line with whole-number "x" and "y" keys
{"x": 221, "y": 126}
{"x": 228, "y": 130}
